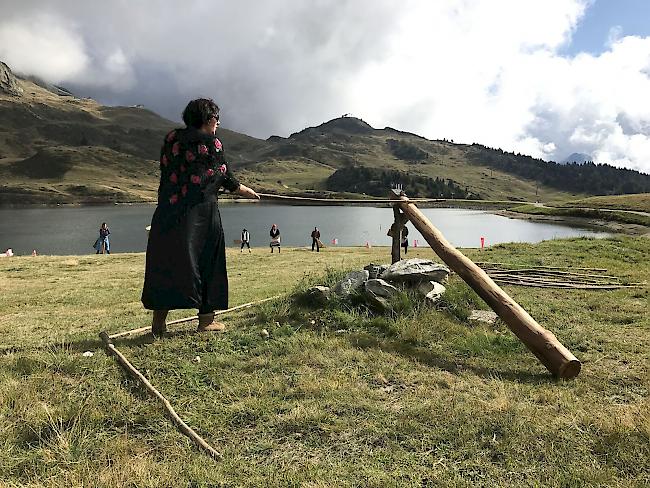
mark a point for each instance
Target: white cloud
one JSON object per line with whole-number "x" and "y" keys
{"x": 488, "y": 71}
{"x": 43, "y": 46}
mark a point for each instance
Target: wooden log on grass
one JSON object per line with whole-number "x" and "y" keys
{"x": 182, "y": 426}
{"x": 542, "y": 343}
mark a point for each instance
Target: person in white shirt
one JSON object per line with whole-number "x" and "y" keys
{"x": 245, "y": 240}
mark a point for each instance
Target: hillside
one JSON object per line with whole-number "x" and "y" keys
{"x": 637, "y": 202}
{"x": 55, "y": 148}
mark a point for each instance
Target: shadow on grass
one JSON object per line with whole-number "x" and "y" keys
{"x": 425, "y": 356}
{"x": 89, "y": 344}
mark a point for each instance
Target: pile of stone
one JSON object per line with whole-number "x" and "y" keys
{"x": 378, "y": 283}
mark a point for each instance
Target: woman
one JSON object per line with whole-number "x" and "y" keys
{"x": 102, "y": 244}
{"x": 275, "y": 238}
{"x": 186, "y": 255}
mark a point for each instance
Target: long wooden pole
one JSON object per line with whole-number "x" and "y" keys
{"x": 182, "y": 426}
{"x": 542, "y": 343}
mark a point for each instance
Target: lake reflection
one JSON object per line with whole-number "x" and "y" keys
{"x": 73, "y": 230}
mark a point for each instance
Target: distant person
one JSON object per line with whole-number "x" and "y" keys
{"x": 405, "y": 239}
{"x": 275, "y": 237}
{"x": 245, "y": 240}
{"x": 315, "y": 239}
{"x": 7, "y": 254}
{"x": 186, "y": 250}
{"x": 102, "y": 244}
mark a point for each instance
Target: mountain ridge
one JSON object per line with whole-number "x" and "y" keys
{"x": 56, "y": 148}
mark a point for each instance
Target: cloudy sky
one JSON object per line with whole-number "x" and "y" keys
{"x": 541, "y": 77}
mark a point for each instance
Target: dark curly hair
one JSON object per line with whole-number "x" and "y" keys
{"x": 199, "y": 111}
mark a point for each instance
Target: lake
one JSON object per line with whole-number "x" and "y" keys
{"x": 73, "y": 230}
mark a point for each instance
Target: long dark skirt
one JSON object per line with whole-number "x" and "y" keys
{"x": 186, "y": 261}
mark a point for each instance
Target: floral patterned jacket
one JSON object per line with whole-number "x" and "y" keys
{"x": 192, "y": 170}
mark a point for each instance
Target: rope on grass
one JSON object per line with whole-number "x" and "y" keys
{"x": 193, "y": 317}
{"x": 182, "y": 426}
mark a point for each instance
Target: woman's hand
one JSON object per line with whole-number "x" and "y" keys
{"x": 246, "y": 192}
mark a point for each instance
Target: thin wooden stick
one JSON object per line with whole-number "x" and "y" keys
{"x": 338, "y": 201}
{"x": 548, "y": 272}
{"x": 193, "y": 317}
{"x": 182, "y": 426}
{"x": 577, "y": 286}
{"x": 560, "y": 278}
{"x": 540, "y": 267}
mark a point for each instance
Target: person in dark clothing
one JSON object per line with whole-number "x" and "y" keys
{"x": 186, "y": 255}
{"x": 275, "y": 237}
{"x": 245, "y": 240}
{"x": 405, "y": 239}
{"x": 315, "y": 239}
{"x": 102, "y": 244}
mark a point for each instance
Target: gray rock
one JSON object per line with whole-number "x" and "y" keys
{"x": 8, "y": 81}
{"x": 375, "y": 270}
{"x": 380, "y": 288}
{"x": 318, "y": 294}
{"x": 483, "y": 317}
{"x": 416, "y": 270}
{"x": 378, "y": 292}
{"x": 352, "y": 282}
{"x": 431, "y": 290}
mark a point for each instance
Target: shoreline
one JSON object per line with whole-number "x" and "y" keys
{"x": 583, "y": 222}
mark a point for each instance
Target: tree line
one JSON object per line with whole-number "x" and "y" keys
{"x": 377, "y": 182}
{"x": 405, "y": 151}
{"x": 594, "y": 179}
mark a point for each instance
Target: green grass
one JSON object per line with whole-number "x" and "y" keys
{"x": 588, "y": 213}
{"x": 337, "y": 396}
{"x": 639, "y": 202}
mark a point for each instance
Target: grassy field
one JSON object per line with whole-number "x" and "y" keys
{"x": 336, "y": 396}
{"x": 585, "y": 213}
{"x": 639, "y": 202}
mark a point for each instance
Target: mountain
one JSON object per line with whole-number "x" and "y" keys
{"x": 578, "y": 158}
{"x": 9, "y": 84}
{"x": 56, "y": 147}
{"x": 348, "y": 155}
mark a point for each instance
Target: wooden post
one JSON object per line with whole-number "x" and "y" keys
{"x": 182, "y": 426}
{"x": 542, "y": 343}
{"x": 395, "y": 232}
